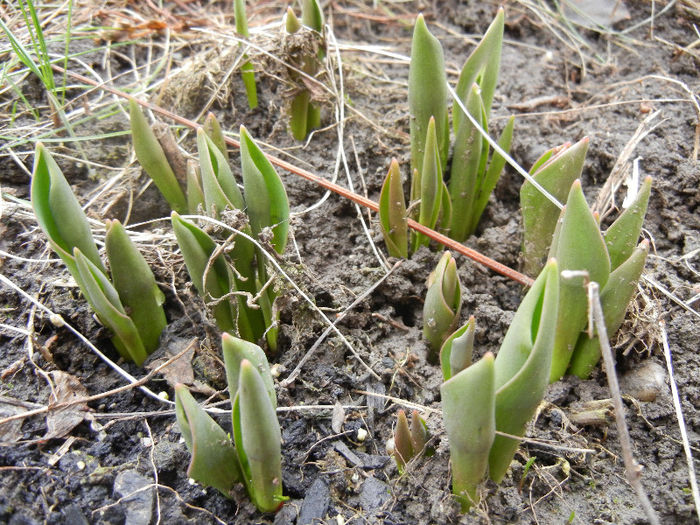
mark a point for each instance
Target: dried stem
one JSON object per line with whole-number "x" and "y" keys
{"x": 632, "y": 468}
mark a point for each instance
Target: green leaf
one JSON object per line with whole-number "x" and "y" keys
{"x": 59, "y": 214}
{"x": 443, "y": 302}
{"x": 622, "y": 235}
{"x": 457, "y": 350}
{"x": 464, "y": 174}
{"x": 555, "y": 171}
{"x": 235, "y": 351}
{"x": 257, "y": 436}
{"x": 482, "y": 67}
{"x": 212, "y": 129}
{"x": 292, "y": 23}
{"x": 104, "y": 300}
{"x": 265, "y": 195}
{"x": 214, "y": 460}
{"x": 580, "y": 247}
{"x": 312, "y": 15}
{"x": 152, "y": 158}
{"x": 468, "y": 412}
{"x": 522, "y": 366}
{"x": 392, "y": 213}
{"x": 218, "y": 183}
{"x": 489, "y": 179}
{"x": 136, "y": 285}
{"x": 431, "y": 187}
{"x": 614, "y": 298}
{"x": 195, "y": 195}
{"x": 299, "y": 113}
{"x": 427, "y": 97}
{"x": 211, "y": 278}
{"x": 247, "y": 70}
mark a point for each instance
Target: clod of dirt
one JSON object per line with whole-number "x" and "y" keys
{"x": 315, "y": 504}
{"x": 644, "y": 382}
{"x": 138, "y": 500}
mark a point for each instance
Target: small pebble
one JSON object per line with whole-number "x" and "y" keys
{"x": 361, "y": 434}
{"x": 645, "y": 382}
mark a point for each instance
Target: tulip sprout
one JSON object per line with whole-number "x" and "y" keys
{"x": 247, "y": 69}
{"x": 254, "y": 458}
{"x": 130, "y": 304}
{"x": 474, "y": 170}
{"x": 409, "y": 441}
{"x": 498, "y": 394}
{"x": 305, "y": 116}
{"x": 443, "y": 302}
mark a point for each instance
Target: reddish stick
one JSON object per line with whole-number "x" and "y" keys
{"x": 335, "y": 188}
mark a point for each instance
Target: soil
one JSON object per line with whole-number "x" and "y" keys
{"x": 120, "y": 458}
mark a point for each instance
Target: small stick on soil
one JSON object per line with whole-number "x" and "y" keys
{"x": 632, "y": 468}
{"x": 681, "y": 420}
{"x": 77, "y": 401}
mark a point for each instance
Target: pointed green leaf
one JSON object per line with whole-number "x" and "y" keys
{"x": 622, "y": 235}
{"x": 298, "y": 115}
{"x": 104, "y": 300}
{"x": 257, "y": 436}
{"x": 247, "y": 70}
{"x": 555, "y": 172}
{"x": 522, "y": 366}
{"x": 431, "y": 187}
{"x": 443, "y": 303}
{"x": 419, "y": 433}
{"x": 212, "y": 129}
{"x": 614, "y": 298}
{"x": 59, "y": 214}
{"x": 136, "y": 285}
{"x": 427, "y": 97}
{"x": 265, "y": 195}
{"x": 482, "y": 66}
{"x": 392, "y": 213}
{"x": 214, "y": 461}
{"x": 468, "y": 413}
{"x": 292, "y": 23}
{"x": 489, "y": 179}
{"x": 464, "y": 173}
{"x": 195, "y": 195}
{"x": 152, "y": 158}
{"x": 218, "y": 183}
{"x": 457, "y": 350}
{"x": 211, "y": 278}
{"x": 235, "y": 351}
{"x": 580, "y": 247}
{"x": 312, "y": 15}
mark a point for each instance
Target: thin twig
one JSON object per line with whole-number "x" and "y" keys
{"x": 681, "y": 420}
{"x": 81, "y": 400}
{"x": 632, "y": 468}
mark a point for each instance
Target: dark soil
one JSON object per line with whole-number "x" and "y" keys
{"x": 104, "y": 470}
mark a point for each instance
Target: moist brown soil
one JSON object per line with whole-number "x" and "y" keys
{"x": 129, "y": 441}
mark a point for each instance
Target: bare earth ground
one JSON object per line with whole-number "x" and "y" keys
{"x": 121, "y": 459}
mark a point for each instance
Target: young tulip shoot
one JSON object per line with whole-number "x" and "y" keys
{"x": 443, "y": 303}
{"x": 214, "y": 461}
{"x": 522, "y": 366}
{"x": 431, "y": 187}
{"x": 468, "y": 408}
{"x": 257, "y": 436}
{"x": 59, "y": 213}
{"x": 427, "y": 98}
{"x": 578, "y": 246}
{"x": 409, "y": 441}
{"x": 247, "y": 69}
{"x": 615, "y": 297}
{"x": 153, "y": 160}
{"x": 392, "y": 213}
{"x": 457, "y": 350}
{"x": 136, "y": 285}
{"x": 555, "y": 171}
